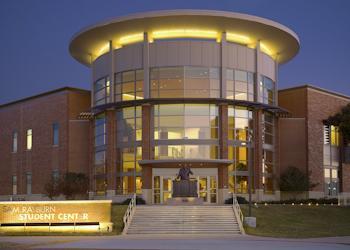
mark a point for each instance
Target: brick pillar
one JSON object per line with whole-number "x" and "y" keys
{"x": 111, "y": 152}
{"x": 277, "y": 169}
{"x": 257, "y": 121}
{"x": 223, "y": 130}
{"x": 92, "y": 160}
{"x": 147, "y": 153}
{"x": 223, "y": 138}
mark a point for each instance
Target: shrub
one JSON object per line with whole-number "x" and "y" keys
{"x": 240, "y": 199}
{"x": 139, "y": 201}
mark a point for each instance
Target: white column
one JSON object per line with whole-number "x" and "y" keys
{"x": 112, "y": 71}
{"x": 223, "y": 64}
{"x": 257, "y": 73}
{"x": 146, "y": 87}
{"x": 276, "y": 79}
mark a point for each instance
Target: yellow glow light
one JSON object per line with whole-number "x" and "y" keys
{"x": 265, "y": 49}
{"x": 130, "y": 39}
{"x": 185, "y": 33}
{"x": 237, "y": 38}
{"x": 132, "y": 97}
{"x": 104, "y": 49}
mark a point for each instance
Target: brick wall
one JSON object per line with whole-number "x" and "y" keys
{"x": 39, "y": 113}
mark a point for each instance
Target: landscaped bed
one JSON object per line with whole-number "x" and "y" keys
{"x": 299, "y": 221}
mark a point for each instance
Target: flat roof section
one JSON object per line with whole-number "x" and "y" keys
{"x": 310, "y": 86}
{"x": 278, "y": 41}
{"x": 44, "y": 94}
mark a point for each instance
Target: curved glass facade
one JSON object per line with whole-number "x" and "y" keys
{"x": 240, "y": 127}
{"x": 102, "y": 91}
{"x": 129, "y": 151}
{"x": 128, "y": 85}
{"x": 239, "y": 85}
{"x": 186, "y": 131}
{"x": 185, "y": 82}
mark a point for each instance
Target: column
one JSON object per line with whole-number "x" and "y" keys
{"x": 223, "y": 190}
{"x": 223, "y": 64}
{"x": 112, "y": 71}
{"x": 111, "y": 174}
{"x": 146, "y": 65}
{"x": 147, "y": 153}
{"x": 257, "y": 165}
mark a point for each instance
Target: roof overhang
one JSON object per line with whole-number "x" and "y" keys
{"x": 278, "y": 111}
{"x": 280, "y": 42}
{"x": 185, "y": 162}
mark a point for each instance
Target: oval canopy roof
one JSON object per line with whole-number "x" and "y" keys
{"x": 278, "y": 41}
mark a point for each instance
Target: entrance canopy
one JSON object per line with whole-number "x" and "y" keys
{"x": 166, "y": 163}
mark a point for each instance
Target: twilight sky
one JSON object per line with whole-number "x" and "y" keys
{"x": 35, "y": 34}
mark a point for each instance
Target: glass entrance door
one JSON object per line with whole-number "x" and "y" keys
{"x": 163, "y": 178}
{"x": 207, "y": 186}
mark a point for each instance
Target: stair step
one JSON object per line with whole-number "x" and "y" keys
{"x": 162, "y": 219}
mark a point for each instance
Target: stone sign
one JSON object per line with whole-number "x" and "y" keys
{"x": 48, "y": 212}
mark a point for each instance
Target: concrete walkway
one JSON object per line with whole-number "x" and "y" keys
{"x": 171, "y": 242}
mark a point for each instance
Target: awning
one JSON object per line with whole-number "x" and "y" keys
{"x": 166, "y": 163}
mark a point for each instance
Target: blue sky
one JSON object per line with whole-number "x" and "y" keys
{"x": 35, "y": 35}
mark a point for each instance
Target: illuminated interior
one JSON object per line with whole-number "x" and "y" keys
{"x": 185, "y": 33}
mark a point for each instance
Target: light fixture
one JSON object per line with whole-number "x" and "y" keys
{"x": 184, "y": 33}
{"x": 237, "y": 38}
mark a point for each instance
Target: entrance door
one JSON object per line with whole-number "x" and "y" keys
{"x": 207, "y": 188}
{"x": 163, "y": 184}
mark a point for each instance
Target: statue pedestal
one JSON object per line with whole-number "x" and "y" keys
{"x": 185, "y": 188}
{"x": 184, "y": 201}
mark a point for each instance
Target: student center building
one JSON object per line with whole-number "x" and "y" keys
{"x": 171, "y": 89}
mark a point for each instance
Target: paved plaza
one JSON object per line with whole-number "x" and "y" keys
{"x": 173, "y": 242}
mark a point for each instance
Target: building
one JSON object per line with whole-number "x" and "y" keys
{"x": 307, "y": 142}
{"x": 41, "y": 137}
{"x": 181, "y": 88}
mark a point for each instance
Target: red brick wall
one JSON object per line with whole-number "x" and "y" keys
{"x": 315, "y": 105}
{"x": 38, "y": 114}
{"x": 321, "y": 105}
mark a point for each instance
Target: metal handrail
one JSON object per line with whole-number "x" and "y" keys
{"x": 238, "y": 213}
{"x": 129, "y": 213}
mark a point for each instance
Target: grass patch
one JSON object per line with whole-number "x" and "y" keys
{"x": 118, "y": 212}
{"x": 299, "y": 221}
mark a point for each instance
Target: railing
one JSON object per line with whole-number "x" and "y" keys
{"x": 238, "y": 213}
{"x": 343, "y": 200}
{"x": 129, "y": 213}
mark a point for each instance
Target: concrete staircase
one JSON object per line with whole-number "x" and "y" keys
{"x": 164, "y": 219}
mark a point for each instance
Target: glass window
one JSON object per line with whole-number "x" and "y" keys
{"x": 56, "y": 174}
{"x": 267, "y": 90}
{"x": 55, "y": 128}
{"x": 29, "y": 139}
{"x": 192, "y": 82}
{"x": 186, "y": 151}
{"x": 102, "y": 91}
{"x": 331, "y": 158}
{"x": 14, "y": 142}
{"x": 239, "y": 85}
{"x": 185, "y": 121}
{"x": 268, "y": 128}
{"x": 129, "y": 85}
{"x": 14, "y": 184}
{"x": 239, "y": 123}
{"x": 29, "y": 182}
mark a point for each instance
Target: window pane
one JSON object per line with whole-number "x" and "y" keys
{"x": 55, "y": 128}
{"x": 241, "y": 76}
{"x": 29, "y": 139}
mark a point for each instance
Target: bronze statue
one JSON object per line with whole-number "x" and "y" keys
{"x": 184, "y": 173}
